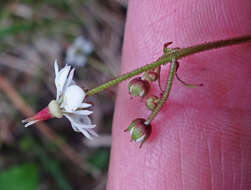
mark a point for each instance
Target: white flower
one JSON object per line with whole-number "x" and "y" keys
{"x": 70, "y": 100}
{"x": 77, "y": 53}
{"x": 68, "y": 103}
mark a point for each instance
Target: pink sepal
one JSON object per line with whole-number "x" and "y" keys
{"x": 44, "y": 114}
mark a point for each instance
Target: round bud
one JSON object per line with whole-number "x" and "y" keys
{"x": 139, "y": 131}
{"x": 138, "y": 87}
{"x": 152, "y": 102}
{"x": 151, "y": 76}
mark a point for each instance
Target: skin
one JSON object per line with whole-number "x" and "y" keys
{"x": 201, "y": 138}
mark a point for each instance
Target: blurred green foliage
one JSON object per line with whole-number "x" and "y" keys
{"x": 99, "y": 159}
{"x": 23, "y": 26}
{"x": 21, "y": 177}
{"x": 47, "y": 20}
{"x": 12, "y": 24}
{"x": 49, "y": 165}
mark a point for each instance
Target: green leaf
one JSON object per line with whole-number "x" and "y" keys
{"x": 26, "y": 143}
{"x": 54, "y": 169}
{"x": 24, "y": 177}
{"x": 51, "y": 166}
{"x": 16, "y": 28}
{"x": 100, "y": 159}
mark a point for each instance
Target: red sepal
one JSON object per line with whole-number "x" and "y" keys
{"x": 44, "y": 114}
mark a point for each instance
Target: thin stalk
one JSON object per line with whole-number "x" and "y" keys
{"x": 126, "y": 76}
{"x": 166, "y": 93}
{"x": 177, "y": 54}
{"x": 180, "y": 53}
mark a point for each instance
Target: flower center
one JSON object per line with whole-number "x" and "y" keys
{"x": 55, "y": 109}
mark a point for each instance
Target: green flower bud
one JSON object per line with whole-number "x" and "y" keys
{"x": 152, "y": 102}
{"x": 138, "y": 87}
{"x": 139, "y": 131}
{"x": 152, "y": 75}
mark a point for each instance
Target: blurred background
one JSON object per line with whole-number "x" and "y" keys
{"x": 87, "y": 34}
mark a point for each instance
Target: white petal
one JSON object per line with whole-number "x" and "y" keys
{"x": 79, "y": 121}
{"x": 81, "y": 124}
{"x": 85, "y": 105}
{"x": 83, "y": 112}
{"x": 75, "y": 128}
{"x": 72, "y": 98}
{"x": 60, "y": 80}
{"x": 84, "y": 132}
{"x": 56, "y": 68}
{"x": 69, "y": 79}
{"x": 92, "y": 132}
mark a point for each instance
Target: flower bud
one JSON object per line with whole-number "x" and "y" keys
{"x": 152, "y": 75}
{"x": 152, "y": 102}
{"x": 139, "y": 131}
{"x": 138, "y": 87}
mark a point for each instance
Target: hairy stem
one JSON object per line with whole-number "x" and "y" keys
{"x": 177, "y": 54}
{"x": 166, "y": 93}
{"x": 180, "y": 53}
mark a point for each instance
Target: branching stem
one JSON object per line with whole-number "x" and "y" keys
{"x": 166, "y": 93}
{"x": 176, "y": 54}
